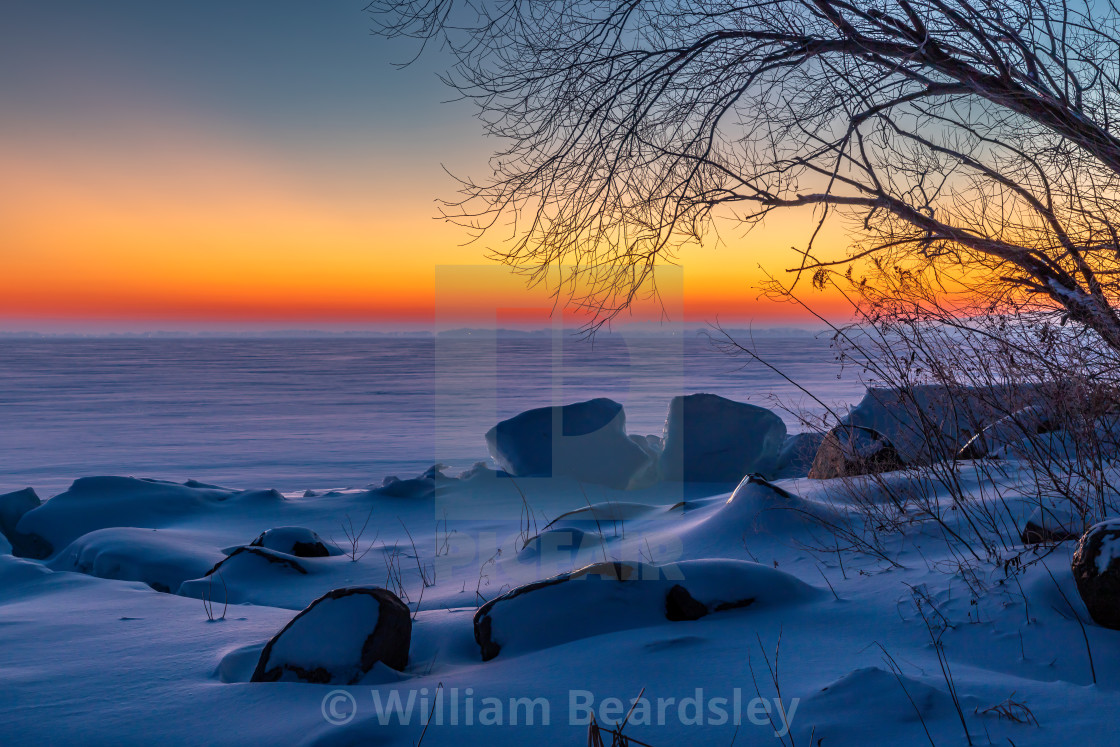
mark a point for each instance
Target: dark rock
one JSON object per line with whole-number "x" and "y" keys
{"x": 736, "y": 605}
{"x": 850, "y": 450}
{"x": 352, "y": 628}
{"x": 679, "y": 605}
{"x": 1097, "y": 572}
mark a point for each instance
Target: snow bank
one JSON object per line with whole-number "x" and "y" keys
{"x": 421, "y": 486}
{"x": 585, "y": 440}
{"x": 94, "y": 503}
{"x": 870, "y": 703}
{"x": 712, "y": 439}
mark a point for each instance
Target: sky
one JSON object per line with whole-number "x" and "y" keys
{"x": 176, "y": 164}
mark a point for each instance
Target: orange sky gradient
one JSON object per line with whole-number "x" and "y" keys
{"x": 126, "y": 194}
{"x": 216, "y": 230}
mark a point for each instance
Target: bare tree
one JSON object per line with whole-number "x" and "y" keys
{"x": 970, "y": 142}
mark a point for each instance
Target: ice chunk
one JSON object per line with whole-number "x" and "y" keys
{"x": 584, "y": 440}
{"x": 712, "y": 439}
{"x": 13, "y": 506}
{"x": 796, "y": 456}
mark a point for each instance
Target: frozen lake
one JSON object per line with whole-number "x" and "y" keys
{"x": 337, "y": 411}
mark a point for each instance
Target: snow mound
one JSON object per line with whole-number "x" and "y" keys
{"x": 712, "y": 439}
{"x": 339, "y": 638}
{"x": 896, "y": 705}
{"x": 610, "y": 597}
{"x": 251, "y": 575}
{"x": 163, "y": 559}
{"x": 761, "y": 507}
{"x": 610, "y": 512}
{"x": 584, "y": 440}
{"x": 297, "y": 541}
{"x": 12, "y": 508}
{"x": 94, "y": 503}
{"x": 556, "y": 542}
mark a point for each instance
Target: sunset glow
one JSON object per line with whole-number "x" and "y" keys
{"x": 148, "y": 183}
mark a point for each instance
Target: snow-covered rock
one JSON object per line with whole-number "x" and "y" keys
{"x": 297, "y": 541}
{"x": 339, "y": 638}
{"x": 1052, "y": 522}
{"x": 1028, "y": 421}
{"x": 1098, "y": 574}
{"x": 163, "y": 559}
{"x": 584, "y": 440}
{"x": 930, "y": 422}
{"x": 712, "y": 439}
{"x": 12, "y": 508}
{"x": 248, "y": 575}
{"x": 849, "y": 450}
{"x": 608, "y": 597}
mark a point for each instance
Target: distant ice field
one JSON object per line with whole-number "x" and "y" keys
{"x": 338, "y": 411}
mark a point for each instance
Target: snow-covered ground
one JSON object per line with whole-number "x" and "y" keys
{"x": 865, "y": 649}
